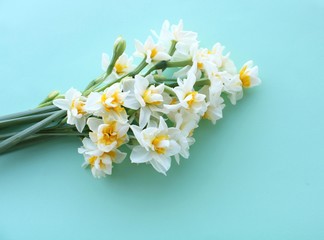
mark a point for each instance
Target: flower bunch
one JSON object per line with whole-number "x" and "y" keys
{"x": 153, "y": 108}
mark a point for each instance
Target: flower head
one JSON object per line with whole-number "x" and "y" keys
{"x": 169, "y": 33}
{"x": 249, "y": 75}
{"x": 108, "y": 134}
{"x": 123, "y": 65}
{"x": 148, "y": 98}
{"x": 215, "y": 102}
{"x": 101, "y": 163}
{"x": 109, "y": 103}
{"x": 188, "y": 97}
{"x": 73, "y": 103}
{"x": 156, "y": 146}
{"x": 153, "y": 52}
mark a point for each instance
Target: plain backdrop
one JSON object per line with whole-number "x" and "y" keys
{"x": 257, "y": 174}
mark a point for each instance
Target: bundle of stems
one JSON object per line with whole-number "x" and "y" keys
{"x": 47, "y": 120}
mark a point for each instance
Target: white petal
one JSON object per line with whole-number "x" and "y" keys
{"x": 128, "y": 84}
{"x": 71, "y": 94}
{"x": 162, "y": 125}
{"x": 80, "y": 123}
{"x": 138, "y": 134}
{"x": 107, "y": 148}
{"x": 93, "y": 103}
{"x": 131, "y": 102}
{"x": 94, "y": 123}
{"x": 104, "y": 61}
{"x": 173, "y": 149}
{"x": 161, "y": 163}
{"x": 141, "y": 84}
{"x": 145, "y": 115}
{"x": 161, "y": 56}
{"x": 139, "y": 47}
{"x": 140, "y": 155}
{"x": 62, "y": 104}
{"x": 120, "y": 156}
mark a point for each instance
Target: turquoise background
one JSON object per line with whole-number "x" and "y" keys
{"x": 257, "y": 174}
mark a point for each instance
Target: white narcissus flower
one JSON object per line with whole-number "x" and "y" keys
{"x": 122, "y": 66}
{"x": 108, "y": 134}
{"x": 183, "y": 39}
{"x": 216, "y": 54}
{"x": 148, "y": 98}
{"x": 232, "y": 85}
{"x": 101, "y": 163}
{"x": 186, "y": 122}
{"x": 109, "y": 103}
{"x": 190, "y": 99}
{"x": 73, "y": 103}
{"x": 249, "y": 75}
{"x": 202, "y": 61}
{"x": 200, "y": 57}
{"x": 153, "y": 52}
{"x": 214, "y": 100}
{"x": 157, "y": 146}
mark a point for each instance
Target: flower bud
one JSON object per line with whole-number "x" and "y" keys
{"x": 119, "y": 48}
{"x": 53, "y": 95}
{"x": 50, "y": 97}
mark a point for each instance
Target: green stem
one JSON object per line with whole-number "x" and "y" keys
{"x": 45, "y": 104}
{"x": 162, "y": 64}
{"x": 50, "y": 97}
{"x": 202, "y": 82}
{"x": 91, "y": 87}
{"x": 159, "y": 78}
{"x": 74, "y": 133}
{"x": 173, "y": 47}
{"x": 169, "y": 90}
{"x": 102, "y": 88}
{"x": 24, "y": 120}
{"x": 139, "y": 68}
{"x": 15, "y": 139}
{"x": 50, "y": 108}
{"x": 30, "y": 141}
{"x": 94, "y": 82}
{"x": 165, "y": 64}
{"x": 179, "y": 63}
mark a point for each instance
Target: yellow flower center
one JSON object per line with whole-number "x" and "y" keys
{"x": 147, "y": 97}
{"x": 112, "y": 155}
{"x": 92, "y": 160}
{"x": 109, "y": 135}
{"x": 120, "y": 68}
{"x": 154, "y": 51}
{"x": 200, "y": 65}
{"x": 206, "y": 115}
{"x": 191, "y": 133}
{"x": 193, "y": 98}
{"x": 156, "y": 142}
{"x": 245, "y": 78}
{"x": 115, "y": 103}
{"x": 173, "y": 101}
{"x": 79, "y": 106}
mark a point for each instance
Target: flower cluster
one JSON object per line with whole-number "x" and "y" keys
{"x": 153, "y": 111}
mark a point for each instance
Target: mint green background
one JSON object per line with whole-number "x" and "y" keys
{"x": 257, "y": 174}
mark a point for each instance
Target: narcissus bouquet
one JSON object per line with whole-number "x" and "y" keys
{"x": 152, "y": 108}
